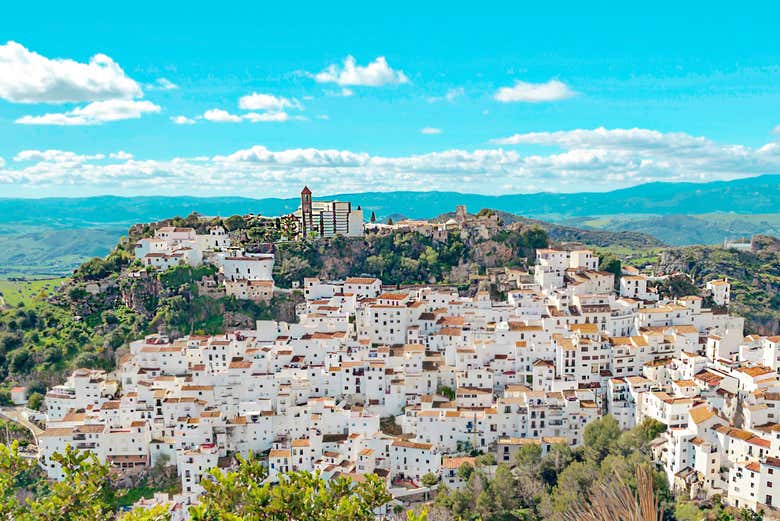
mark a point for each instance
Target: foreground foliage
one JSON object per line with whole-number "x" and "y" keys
{"x": 610, "y": 477}
{"x": 86, "y": 494}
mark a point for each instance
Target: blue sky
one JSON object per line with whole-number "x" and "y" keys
{"x": 357, "y": 96}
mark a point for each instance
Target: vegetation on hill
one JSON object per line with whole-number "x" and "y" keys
{"x": 754, "y": 277}
{"x": 686, "y": 229}
{"x": 109, "y": 301}
{"x": 406, "y": 257}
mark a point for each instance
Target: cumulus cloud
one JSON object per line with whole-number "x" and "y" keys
{"x": 268, "y": 102}
{"x": 121, "y": 155}
{"x": 430, "y": 130}
{"x": 776, "y": 130}
{"x": 602, "y": 138}
{"x": 28, "y": 77}
{"x": 264, "y": 108}
{"x": 449, "y": 96}
{"x": 263, "y": 117}
{"x": 63, "y": 156}
{"x": 521, "y": 91}
{"x": 162, "y": 84}
{"x": 95, "y": 113}
{"x": 375, "y": 74}
{"x": 588, "y": 159}
{"x": 221, "y": 116}
{"x": 182, "y": 120}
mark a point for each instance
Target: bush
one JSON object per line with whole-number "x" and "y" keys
{"x": 35, "y": 401}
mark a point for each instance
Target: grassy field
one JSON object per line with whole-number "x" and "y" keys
{"x": 38, "y": 252}
{"x": 13, "y": 292}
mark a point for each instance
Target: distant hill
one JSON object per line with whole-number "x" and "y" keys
{"x": 751, "y": 195}
{"x": 682, "y": 230}
{"x": 51, "y": 236}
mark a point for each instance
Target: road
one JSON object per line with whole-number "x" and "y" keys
{"x": 15, "y": 415}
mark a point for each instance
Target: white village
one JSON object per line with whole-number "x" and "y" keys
{"x": 405, "y": 382}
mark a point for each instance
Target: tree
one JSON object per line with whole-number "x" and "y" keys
{"x": 558, "y": 458}
{"x": 12, "y": 467}
{"x": 84, "y": 494}
{"x": 504, "y": 489}
{"x": 600, "y": 437}
{"x": 429, "y": 479}
{"x": 156, "y": 513}
{"x": 241, "y": 495}
{"x": 465, "y": 471}
{"x": 611, "y": 264}
{"x": 610, "y": 501}
{"x": 35, "y": 401}
{"x": 445, "y": 391}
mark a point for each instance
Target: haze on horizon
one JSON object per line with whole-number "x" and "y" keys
{"x": 506, "y": 99}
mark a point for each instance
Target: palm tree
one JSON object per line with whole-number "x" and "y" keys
{"x": 609, "y": 501}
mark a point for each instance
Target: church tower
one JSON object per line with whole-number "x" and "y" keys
{"x": 307, "y": 223}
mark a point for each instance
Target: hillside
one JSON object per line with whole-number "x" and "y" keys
{"x": 754, "y": 276}
{"x": 109, "y": 301}
{"x": 683, "y": 230}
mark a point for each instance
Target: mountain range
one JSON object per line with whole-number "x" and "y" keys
{"x": 51, "y": 236}
{"x": 754, "y": 195}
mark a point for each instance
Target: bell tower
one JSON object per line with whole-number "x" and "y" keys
{"x": 306, "y": 211}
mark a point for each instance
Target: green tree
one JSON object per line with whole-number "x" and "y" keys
{"x": 85, "y": 494}
{"x": 241, "y": 495}
{"x": 429, "y": 479}
{"x": 35, "y": 401}
{"x": 600, "y": 436}
{"x": 156, "y": 513}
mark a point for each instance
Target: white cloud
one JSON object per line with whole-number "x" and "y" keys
{"x": 95, "y": 113}
{"x": 268, "y": 102}
{"x": 120, "y": 156}
{"x": 450, "y": 96}
{"x": 2, "y": 162}
{"x": 430, "y": 130}
{"x": 552, "y": 90}
{"x": 221, "y": 116}
{"x": 596, "y": 159}
{"x": 28, "y": 77}
{"x": 341, "y": 93}
{"x": 322, "y": 116}
{"x": 62, "y": 156}
{"x": 601, "y": 137}
{"x": 310, "y": 157}
{"x": 375, "y": 74}
{"x": 262, "y": 117}
{"x": 776, "y": 130}
{"x": 162, "y": 84}
{"x": 182, "y": 120}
